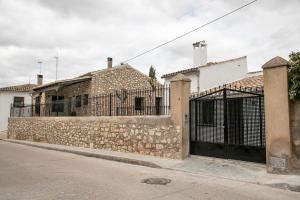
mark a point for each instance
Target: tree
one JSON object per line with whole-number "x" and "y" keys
{"x": 152, "y": 73}
{"x": 294, "y": 76}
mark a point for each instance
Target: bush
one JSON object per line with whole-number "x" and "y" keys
{"x": 294, "y": 76}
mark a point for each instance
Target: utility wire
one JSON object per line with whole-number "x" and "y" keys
{"x": 189, "y": 32}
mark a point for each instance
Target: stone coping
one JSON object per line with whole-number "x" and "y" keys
{"x": 119, "y": 119}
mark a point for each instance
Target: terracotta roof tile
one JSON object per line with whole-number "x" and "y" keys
{"x": 89, "y": 75}
{"x": 19, "y": 88}
{"x": 249, "y": 82}
{"x": 252, "y": 82}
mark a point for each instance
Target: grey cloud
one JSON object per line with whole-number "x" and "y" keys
{"x": 78, "y": 7}
{"x": 86, "y": 32}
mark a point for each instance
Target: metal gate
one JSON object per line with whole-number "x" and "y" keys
{"x": 228, "y": 123}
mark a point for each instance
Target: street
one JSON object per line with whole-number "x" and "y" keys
{"x": 34, "y": 173}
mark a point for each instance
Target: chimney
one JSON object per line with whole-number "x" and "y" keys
{"x": 39, "y": 79}
{"x": 109, "y": 62}
{"x": 200, "y": 53}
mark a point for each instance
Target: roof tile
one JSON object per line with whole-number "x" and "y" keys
{"x": 245, "y": 83}
{"x": 19, "y": 88}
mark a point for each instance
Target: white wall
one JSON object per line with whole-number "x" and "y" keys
{"x": 222, "y": 73}
{"x": 194, "y": 80}
{"x": 217, "y": 75}
{"x": 6, "y": 99}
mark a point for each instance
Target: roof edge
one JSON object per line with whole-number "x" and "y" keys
{"x": 194, "y": 69}
{"x": 61, "y": 81}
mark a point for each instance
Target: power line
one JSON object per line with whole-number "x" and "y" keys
{"x": 189, "y": 32}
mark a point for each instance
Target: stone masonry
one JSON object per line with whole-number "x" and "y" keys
{"x": 156, "y": 136}
{"x": 295, "y": 128}
{"x": 117, "y": 78}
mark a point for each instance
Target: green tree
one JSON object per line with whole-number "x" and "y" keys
{"x": 152, "y": 73}
{"x": 294, "y": 76}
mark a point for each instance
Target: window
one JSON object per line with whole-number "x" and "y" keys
{"x": 158, "y": 106}
{"x": 57, "y": 103}
{"x": 139, "y": 102}
{"x": 85, "y": 99}
{"x": 78, "y": 101}
{"x": 208, "y": 110}
{"x": 37, "y": 105}
{"x": 18, "y": 101}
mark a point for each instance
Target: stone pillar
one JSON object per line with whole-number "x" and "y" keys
{"x": 180, "y": 92}
{"x": 277, "y": 117}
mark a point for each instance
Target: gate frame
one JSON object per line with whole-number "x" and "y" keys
{"x": 226, "y": 147}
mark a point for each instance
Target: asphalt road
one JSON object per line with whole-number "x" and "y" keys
{"x": 33, "y": 173}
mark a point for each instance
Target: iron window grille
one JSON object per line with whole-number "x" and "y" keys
{"x": 139, "y": 102}
{"x": 57, "y": 103}
{"x": 18, "y": 102}
{"x": 78, "y": 101}
{"x": 85, "y": 99}
{"x": 37, "y": 105}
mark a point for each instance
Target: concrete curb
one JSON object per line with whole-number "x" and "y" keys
{"x": 89, "y": 154}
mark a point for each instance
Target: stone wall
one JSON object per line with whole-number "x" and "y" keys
{"x": 295, "y": 127}
{"x": 156, "y": 136}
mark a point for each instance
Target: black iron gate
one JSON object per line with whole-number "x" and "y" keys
{"x": 228, "y": 123}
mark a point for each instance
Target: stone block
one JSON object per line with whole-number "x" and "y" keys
{"x": 114, "y": 133}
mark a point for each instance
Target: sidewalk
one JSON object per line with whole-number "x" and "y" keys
{"x": 3, "y": 135}
{"x": 221, "y": 168}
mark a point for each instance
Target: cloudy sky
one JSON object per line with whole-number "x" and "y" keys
{"x": 86, "y": 32}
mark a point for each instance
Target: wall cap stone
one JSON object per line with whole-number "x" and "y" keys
{"x": 180, "y": 77}
{"x": 276, "y": 62}
{"x": 164, "y": 120}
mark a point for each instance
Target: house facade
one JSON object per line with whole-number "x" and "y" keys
{"x": 13, "y": 96}
{"x": 118, "y": 90}
{"x": 206, "y": 75}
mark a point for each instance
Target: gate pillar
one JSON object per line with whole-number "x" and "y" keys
{"x": 277, "y": 118}
{"x": 179, "y": 102}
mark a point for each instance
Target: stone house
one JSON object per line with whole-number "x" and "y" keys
{"x": 118, "y": 90}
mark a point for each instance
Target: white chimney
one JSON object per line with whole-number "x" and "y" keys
{"x": 200, "y": 53}
{"x": 39, "y": 79}
{"x": 109, "y": 62}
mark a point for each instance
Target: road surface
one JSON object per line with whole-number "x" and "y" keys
{"x": 34, "y": 173}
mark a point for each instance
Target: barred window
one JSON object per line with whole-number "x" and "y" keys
{"x": 18, "y": 101}
{"x": 85, "y": 99}
{"x": 78, "y": 101}
{"x": 139, "y": 103}
{"x": 57, "y": 103}
{"x": 37, "y": 105}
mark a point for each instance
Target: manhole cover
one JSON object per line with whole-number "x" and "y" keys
{"x": 156, "y": 181}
